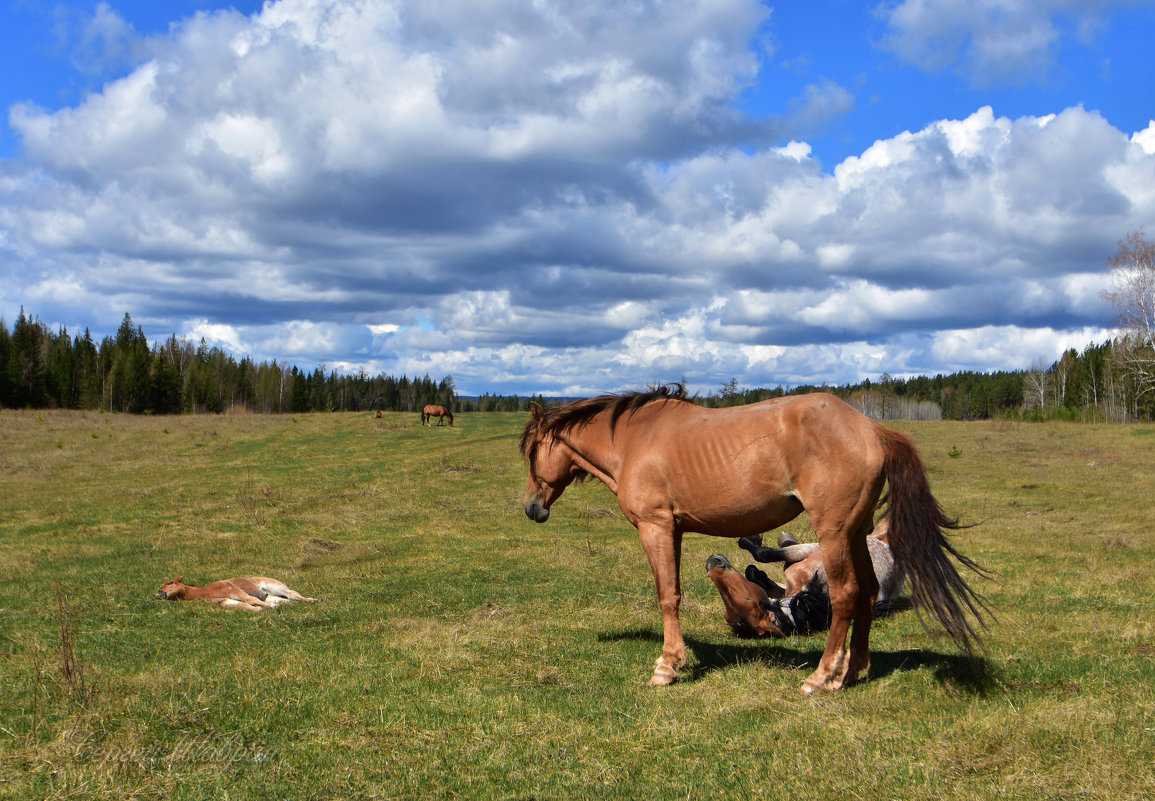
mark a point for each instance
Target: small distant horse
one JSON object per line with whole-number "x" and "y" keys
{"x": 249, "y": 592}
{"x": 756, "y": 606}
{"x": 735, "y": 472}
{"x": 438, "y": 411}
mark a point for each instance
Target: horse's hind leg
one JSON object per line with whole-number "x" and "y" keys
{"x": 789, "y": 554}
{"x": 292, "y": 595}
{"x": 853, "y": 588}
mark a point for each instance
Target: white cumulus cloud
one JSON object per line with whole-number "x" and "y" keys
{"x": 559, "y": 197}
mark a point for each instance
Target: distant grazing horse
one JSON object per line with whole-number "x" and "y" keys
{"x": 250, "y": 592}
{"x": 735, "y": 472}
{"x": 756, "y": 606}
{"x": 438, "y": 411}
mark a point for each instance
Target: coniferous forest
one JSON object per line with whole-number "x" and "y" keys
{"x": 42, "y": 368}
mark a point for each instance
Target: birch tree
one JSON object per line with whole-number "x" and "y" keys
{"x": 1133, "y": 296}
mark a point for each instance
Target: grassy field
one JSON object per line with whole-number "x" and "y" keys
{"x": 461, "y": 651}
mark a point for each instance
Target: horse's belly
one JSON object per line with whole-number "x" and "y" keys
{"x": 738, "y": 519}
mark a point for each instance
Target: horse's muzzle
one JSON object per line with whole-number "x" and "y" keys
{"x": 535, "y": 511}
{"x": 716, "y": 560}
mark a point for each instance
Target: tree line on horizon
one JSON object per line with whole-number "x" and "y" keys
{"x": 1095, "y": 385}
{"x": 42, "y": 368}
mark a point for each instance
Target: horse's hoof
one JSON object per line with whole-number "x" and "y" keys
{"x": 661, "y": 680}
{"x": 664, "y": 674}
{"x": 809, "y": 688}
{"x": 831, "y": 684}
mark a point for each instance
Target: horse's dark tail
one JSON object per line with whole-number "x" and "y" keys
{"x": 921, "y": 547}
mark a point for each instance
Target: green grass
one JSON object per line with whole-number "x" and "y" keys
{"x": 461, "y": 651}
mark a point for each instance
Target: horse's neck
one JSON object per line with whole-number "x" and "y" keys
{"x": 595, "y": 453}
{"x": 192, "y": 591}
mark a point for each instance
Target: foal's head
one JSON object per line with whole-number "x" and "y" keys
{"x": 172, "y": 589}
{"x": 747, "y": 604}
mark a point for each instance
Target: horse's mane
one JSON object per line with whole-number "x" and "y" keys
{"x": 559, "y": 419}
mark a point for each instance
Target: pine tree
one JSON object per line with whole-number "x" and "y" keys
{"x": 7, "y": 388}
{"x": 27, "y": 367}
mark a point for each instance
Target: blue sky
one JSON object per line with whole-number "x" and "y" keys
{"x": 579, "y": 197}
{"x": 1102, "y": 61}
{"x": 53, "y": 54}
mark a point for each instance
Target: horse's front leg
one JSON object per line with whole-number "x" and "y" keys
{"x": 663, "y": 547}
{"x": 253, "y": 601}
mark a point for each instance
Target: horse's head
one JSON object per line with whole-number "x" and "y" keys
{"x": 551, "y": 465}
{"x": 171, "y": 589}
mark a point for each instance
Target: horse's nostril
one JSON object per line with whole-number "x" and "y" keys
{"x": 536, "y": 512}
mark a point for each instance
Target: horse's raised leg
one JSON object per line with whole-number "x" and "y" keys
{"x": 663, "y": 547}
{"x": 853, "y": 590}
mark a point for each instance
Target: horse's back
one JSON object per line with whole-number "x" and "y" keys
{"x": 787, "y": 435}
{"x": 746, "y": 469}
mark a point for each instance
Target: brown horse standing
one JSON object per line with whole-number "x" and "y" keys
{"x": 438, "y": 411}
{"x": 736, "y": 472}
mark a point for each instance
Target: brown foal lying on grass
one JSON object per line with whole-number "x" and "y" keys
{"x": 756, "y": 606}
{"x": 250, "y": 592}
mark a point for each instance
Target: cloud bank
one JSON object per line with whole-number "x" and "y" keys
{"x": 551, "y": 197}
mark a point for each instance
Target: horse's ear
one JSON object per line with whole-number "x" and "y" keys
{"x": 535, "y": 410}
{"x": 178, "y": 579}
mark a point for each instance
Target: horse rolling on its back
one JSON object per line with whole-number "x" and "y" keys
{"x": 438, "y": 411}
{"x": 757, "y": 606}
{"x": 737, "y": 472}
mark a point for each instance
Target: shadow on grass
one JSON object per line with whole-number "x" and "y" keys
{"x": 969, "y": 674}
